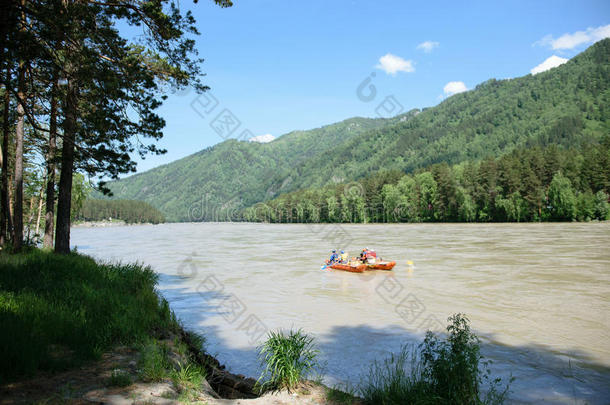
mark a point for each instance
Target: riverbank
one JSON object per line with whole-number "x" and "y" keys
{"x": 77, "y": 331}
{"x": 96, "y": 224}
{"x": 116, "y": 378}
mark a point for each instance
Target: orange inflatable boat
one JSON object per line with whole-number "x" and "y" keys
{"x": 354, "y": 268}
{"x": 381, "y": 266}
{"x": 359, "y": 267}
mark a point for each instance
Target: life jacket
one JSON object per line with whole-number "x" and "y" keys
{"x": 344, "y": 257}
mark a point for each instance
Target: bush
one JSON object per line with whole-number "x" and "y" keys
{"x": 448, "y": 371}
{"x": 287, "y": 359}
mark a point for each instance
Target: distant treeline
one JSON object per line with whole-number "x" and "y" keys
{"x": 130, "y": 211}
{"x": 529, "y": 184}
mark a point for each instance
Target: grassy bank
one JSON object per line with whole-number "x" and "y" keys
{"x": 57, "y": 311}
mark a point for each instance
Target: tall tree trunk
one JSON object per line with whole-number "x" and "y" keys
{"x": 5, "y": 216}
{"x": 10, "y": 203}
{"x": 31, "y": 216}
{"x": 19, "y": 131}
{"x": 40, "y": 200}
{"x": 62, "y": 234}
{"x": 50, "y": 198}
{"x": 2, "y": 208}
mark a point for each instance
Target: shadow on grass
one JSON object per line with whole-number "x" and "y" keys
{"x": 59, "y": 310}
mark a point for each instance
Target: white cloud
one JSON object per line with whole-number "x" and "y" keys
{"x": 391, "y": 64}
{"x": 452, "y": 88}
{"x": 571, "y": 41}
{"x": 549, "y": 63}
{"x": 262, "y": 138}
{"x": 428, "y": 46}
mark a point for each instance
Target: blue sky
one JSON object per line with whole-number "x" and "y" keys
{"x": 278, "y": 65}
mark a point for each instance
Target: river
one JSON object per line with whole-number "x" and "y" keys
{"x": 538, "y": 295}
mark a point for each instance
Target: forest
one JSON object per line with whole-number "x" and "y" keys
{"x": 566, "y": 106}
{"x": 79, "y": 102}
{"x": 528, "y": 184}
{"x": 130, "y": 211}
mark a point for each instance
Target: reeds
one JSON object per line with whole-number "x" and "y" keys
{"x": 287, "y": 359}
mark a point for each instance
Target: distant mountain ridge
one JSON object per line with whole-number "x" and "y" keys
{"x": 214, "y": 182}
{"x": 565, "y": 106}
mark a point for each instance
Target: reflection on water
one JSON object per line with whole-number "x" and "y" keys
{"x": 538, "y": 294}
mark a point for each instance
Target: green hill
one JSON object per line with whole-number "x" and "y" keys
{"x": 216, "y": 182}
{"x": 565, "y": 106}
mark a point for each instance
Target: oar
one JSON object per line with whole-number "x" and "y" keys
{"x": 323, "y": 267}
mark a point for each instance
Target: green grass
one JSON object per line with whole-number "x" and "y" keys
{"x": 154, "y": 363}
{"x": 119, "y": 378}
{"x": 341, "y": 394}
{"x": 395, "y": 380}
{"x": 58, "y": 310}
{"x": 196, "y": 339}
{"x": 447, "y": 370}
{"x": 187, "y": 380}
{"x": 287, "y": 359}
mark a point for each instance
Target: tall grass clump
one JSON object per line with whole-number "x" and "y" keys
{"x": 395, "y": 380}
{"x": 187, "y": 380}
{"x": 288, "y": 358}
{"x": 57, "y": 310}
{"x": 154, "y": 363}
{"x": 447, "y": 370}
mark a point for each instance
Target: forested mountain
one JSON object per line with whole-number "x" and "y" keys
{"x": 527, "y": 184}
{"x": 566, "y": 106}
{"x": 218, "y": 181}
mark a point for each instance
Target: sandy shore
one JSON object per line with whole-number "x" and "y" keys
{"x": 89, "y": 384}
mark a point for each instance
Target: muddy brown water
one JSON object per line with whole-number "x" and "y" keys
{"x": 538, "y": 295}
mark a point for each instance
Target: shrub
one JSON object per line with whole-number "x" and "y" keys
{"x": 287, "y": 359}
{"x": 448, "y": 371}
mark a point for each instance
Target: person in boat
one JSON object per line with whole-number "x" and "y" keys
{"x": 371, "y": 256}
{"x": 334, "y": 257}
{"x": 362, "y": 255}
{"x": 368, "y": 256}
{"x": 344, "y": 257}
